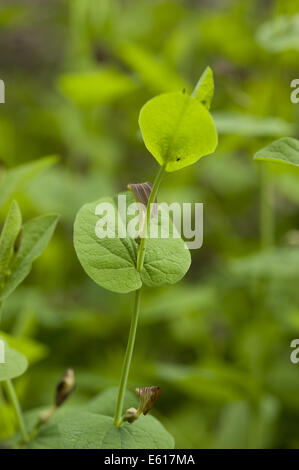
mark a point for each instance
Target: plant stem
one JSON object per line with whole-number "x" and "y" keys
{"x": 14, "y": 400}
{"x": 267, "y": 219}
{"x": 142, "y": 247}
{"x": 127, "y": 360}
{"x": 118, "y": 421}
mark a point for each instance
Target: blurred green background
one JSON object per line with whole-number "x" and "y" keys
{"x": 77, "y": 73}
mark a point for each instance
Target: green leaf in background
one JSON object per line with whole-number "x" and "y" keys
{"x": 96, "y": 87}
{"x": 15, "y": 179}
{"x": 9, "y": 234}
{"x": 285, "y": 150}
{"x": 228, "y": 122}
{"x": 204, "y": 89}
{"x": 36, "y": 235}
{"x": 111, "y": 262}
{"x": 30, "y": 348}
{"x": 15, "y": 363}
{"x": 156, "y": 74}
{"x": 177, "y": 130}
{"x": 280, "y": 34}
{"x": 91, "y": 427}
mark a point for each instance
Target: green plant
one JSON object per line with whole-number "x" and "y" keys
{"x": 20, "y": 245}
{"x": 177, "y": 129}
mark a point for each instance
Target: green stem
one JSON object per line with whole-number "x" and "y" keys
{"x": 118, "y": 421}
{"x": 14, "y": 400}
{"x": 142, "y": 247}
{"x": 267, "y": 218}
{"x": 127, "y": 360}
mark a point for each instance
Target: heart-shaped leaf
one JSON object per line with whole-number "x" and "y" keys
{"x": 91, "y": 427}
{"x": 177, "y": 130}
{"x": 285, "y": 150}
{"x": 14, "y": 363}
{"x": 111, "y": 262}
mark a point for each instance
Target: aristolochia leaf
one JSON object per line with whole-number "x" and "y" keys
{"x": 177, "y": 130}
{"x": 35, "y": 237}
{"x": 12, "y": 362}
{"x": 91, "y": 427}
{"x": 111, "y": 262}
{"x": 285, "y": 150}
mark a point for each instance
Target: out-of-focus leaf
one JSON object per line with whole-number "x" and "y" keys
{"x": 285, "y": 150}
{"x": 213, "y": 383}
{"x": 9, "y": 234}
{"x": 155, "y": 73}
{"x": 16, "y": 179}
{"x": 32, "y": 349}
{"x": 177, "y": 130}
{"x": 248, "y": 125}
{"x": 280, "y": 263}
{"x": 15, "y": 363}
{"x": 96, "y": 87}
{"x": 35, "y": 237}
{"x": 280, "y": 34}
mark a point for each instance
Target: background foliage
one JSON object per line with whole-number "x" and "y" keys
{"x": 77, "y": 73}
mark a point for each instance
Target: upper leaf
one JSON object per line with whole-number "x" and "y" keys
{"x": 15, "y": 363}
{"x": 177, "y": 129}
{"x": 111, "y": 262}
{"x": 285, "y": 150}
{"x": 204, "y": 89}
{"x": 36, "y": 235}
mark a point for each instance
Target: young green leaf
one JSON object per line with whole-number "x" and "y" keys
{"x": 111, "y": 262}
{"x": 9, "y": 235}
{"x": 285, "y": 150}
{"x": 204, "y": 89}
{"x": 15, "y": 363}
{"x": 15, "y": 179}
{"x": 35, "y": 237}
{"x": 177, "y": 130}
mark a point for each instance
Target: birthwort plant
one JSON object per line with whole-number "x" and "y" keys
{"x": 177, "y": 129}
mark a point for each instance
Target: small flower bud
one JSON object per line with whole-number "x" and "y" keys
{"x": 131, "y": 415}
{"x": 142, "y": 192}
{"x": 65, "y": 387}
{"x": 147, "y": 397}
